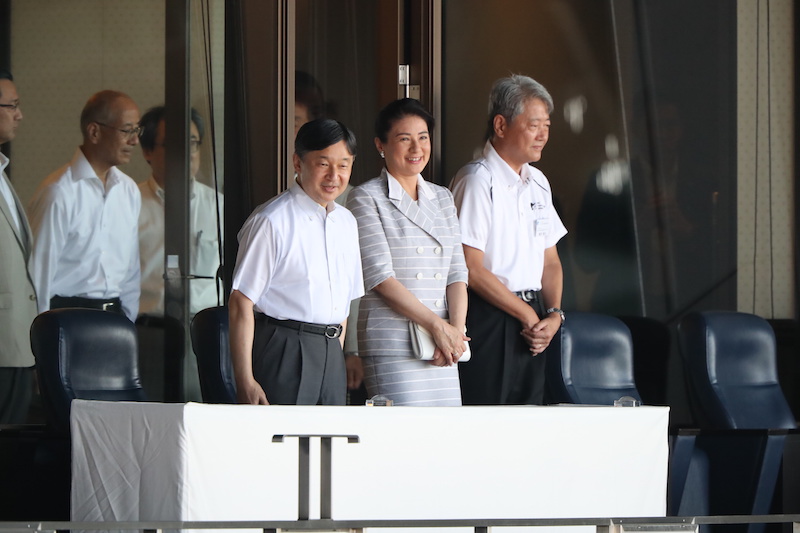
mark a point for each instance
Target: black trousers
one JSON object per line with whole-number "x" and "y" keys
{"x": 298, "y": 368}
{"x": 16, "y": 391}
{"x": 502, "y": 370}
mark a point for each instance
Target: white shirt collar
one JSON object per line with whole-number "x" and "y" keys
{"x": 6, "y": 192}
{"x": 504, "y": 169}
{"x": 82, "y": 169}
{"x": 158, "y": 190}
{"x": 307, "y": 203}
{"x": 396, "y": 190}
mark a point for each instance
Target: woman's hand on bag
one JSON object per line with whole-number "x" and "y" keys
{"x": 449, "y": 344}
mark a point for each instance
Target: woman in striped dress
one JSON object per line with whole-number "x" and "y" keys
{"x": 414, "y": 268}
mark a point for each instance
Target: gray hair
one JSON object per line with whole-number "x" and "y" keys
{"x": 509, "y": 96}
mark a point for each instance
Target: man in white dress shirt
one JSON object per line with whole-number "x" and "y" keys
{"x": 509, "y": 229}
{"x": 298, "y": 268}
{"x": 17, "y": 294}
{"x": 85, "y": 216}
{"x": 203, "y": 203}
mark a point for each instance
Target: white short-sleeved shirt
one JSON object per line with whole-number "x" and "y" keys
{"x": 86, "y": 236}
{"x": 299, "y": 261}
{"x": 508, "y": 216}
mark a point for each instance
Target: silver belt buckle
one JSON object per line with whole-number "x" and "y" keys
{"x": 107, "y": 306}
{"x": 526, "y": 296}
{"x": 333, "y": 332}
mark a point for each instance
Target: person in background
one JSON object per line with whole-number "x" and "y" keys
{"x": 309, "y": 103}
{"x": 85, "y": 216}
{"x": 413, "y": 264}
{"x": 297, "y": 270}
{"x": 204, "y": 232}
{"x": 510, "y": 229}
{"x": 16, "y": 284}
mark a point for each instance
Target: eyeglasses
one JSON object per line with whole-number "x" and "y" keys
{"x": 135, "y": 131}
{"x": 12, "y": 107}
{"x": 194, "y": 145}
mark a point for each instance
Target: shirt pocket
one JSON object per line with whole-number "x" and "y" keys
{"x": 205, "y": 254}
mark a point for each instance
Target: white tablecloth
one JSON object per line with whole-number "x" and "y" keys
{"x": 146, "y": 461}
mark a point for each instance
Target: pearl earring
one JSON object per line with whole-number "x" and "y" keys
{"x": 382, "y": 154}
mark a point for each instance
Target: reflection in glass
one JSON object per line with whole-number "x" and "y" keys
{"x": 336, "y": 57}
{"x": 203, "y": 225}
{"x": 652, "y": 220}
{"x": 662, "y": 241}
{"x": 309, "y": 102}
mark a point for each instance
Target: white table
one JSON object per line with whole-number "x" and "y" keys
{"x": 147, "y": 461}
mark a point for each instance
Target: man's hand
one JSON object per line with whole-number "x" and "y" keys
{"x": 355, "y": 371}
{"x": 540, "y": 334}
{"x": 250, "y": 392}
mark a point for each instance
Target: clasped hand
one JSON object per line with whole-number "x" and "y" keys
{"x": 541, "y": 333}
{"x": 449, "y": 344}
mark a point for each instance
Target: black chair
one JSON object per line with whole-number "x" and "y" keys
{"x": 730, "y": 361}
{"x": 84, "y": 354}
{"x": 590, "y": 361}
{"x": 651, "y": 345}
{"x": 731, "y": 369}
{"x": 161, "y": 357}
{"x": 209, "y": 331}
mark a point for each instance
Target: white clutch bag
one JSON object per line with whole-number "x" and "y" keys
{"x": 423, "y": 345}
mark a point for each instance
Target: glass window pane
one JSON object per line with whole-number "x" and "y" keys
{"x": 337, "y": 64}
{"x": 641, "y": 147}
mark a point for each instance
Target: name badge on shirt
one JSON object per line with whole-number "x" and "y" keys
{"x": 541, "y": 222}
{"x": 542, "y": 226}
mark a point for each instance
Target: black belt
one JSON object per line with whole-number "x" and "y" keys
{"x": 331, "y": 331}
{"x": 528, "y": 296}
{"x": 113, "y": 305}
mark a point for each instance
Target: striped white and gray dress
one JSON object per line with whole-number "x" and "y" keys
{"x": 419, "y": 244}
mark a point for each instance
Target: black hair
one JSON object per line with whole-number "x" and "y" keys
{"x": 404, "y": 107}
{"x": 322, "y": 133}
{"x": 151, "y": 119}
{"x": 5, "y": 75}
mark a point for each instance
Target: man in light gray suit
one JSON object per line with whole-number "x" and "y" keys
{"x": 17, "y": 295}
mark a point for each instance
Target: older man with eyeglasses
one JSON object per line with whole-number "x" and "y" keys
{"x": 16, "y": 286}
{"x": 85, "y": 216}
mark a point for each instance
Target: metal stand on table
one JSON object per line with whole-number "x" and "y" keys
{"x": 304, "y": 487}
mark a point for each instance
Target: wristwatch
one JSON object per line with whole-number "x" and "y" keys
{"x": 557, "y": 310}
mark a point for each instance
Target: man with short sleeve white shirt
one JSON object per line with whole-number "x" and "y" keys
{"x": 509, "y": 229}
{"x": 85, "y": 216}
{"x": 298, "y": 268}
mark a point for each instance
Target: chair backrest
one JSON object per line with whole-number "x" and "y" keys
{"x": 85, "y": 354}
{"x": 590, "y": 361}
{"x": 209, "y": 332}
{"x": 731, "y": 368}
